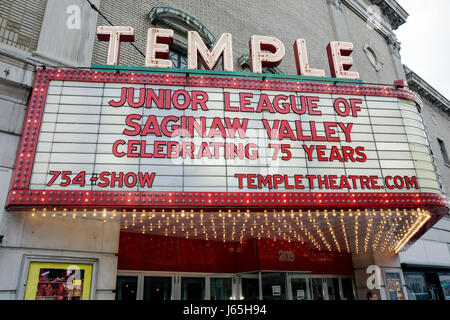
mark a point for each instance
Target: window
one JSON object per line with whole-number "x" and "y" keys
{"x": 180, "y": 22}
{"x": 443, "y": 151}
{"x": 445, "y": 284}
{"x": 416, "y": 286}
{"x": 179, "y": 60}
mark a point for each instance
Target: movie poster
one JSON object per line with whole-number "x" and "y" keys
{"x": 60, "y": 284}
{"x": 394, "y": 286}
{"x": 54, "y": 281}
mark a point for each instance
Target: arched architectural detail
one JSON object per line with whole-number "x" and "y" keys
{"x": 174, "y": 17}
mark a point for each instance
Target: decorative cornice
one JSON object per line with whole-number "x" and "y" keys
{"x": 426, "y": 91}
{"x": 374, "y": 20}
{"x": 393, "y": 11}
{"x": 382, "y": 21}
{"x": 336, "y": 3}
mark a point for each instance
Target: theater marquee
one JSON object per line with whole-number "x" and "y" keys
{"x": 95, "y": 138}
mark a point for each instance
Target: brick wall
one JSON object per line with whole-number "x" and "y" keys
{"x": 287, "y": 20}
{"x": 20, "y": 22}
{"x": 360, "y": 34}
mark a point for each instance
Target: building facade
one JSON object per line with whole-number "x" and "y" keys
{"x": 426, "y": 263}
{"x": 161, "y": 243}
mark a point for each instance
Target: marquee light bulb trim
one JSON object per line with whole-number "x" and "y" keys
{"x": 322, "y": 231}
{"x": 22, "y": 199}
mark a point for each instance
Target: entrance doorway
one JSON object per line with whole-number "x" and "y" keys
{"x": 193, "y": 288}
{"x": 273, "y": 285}
{"x": 157, "y": 286}
{"x": 248, "y": 286}
{"x": 299, "y": 287}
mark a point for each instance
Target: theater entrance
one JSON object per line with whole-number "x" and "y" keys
{"x": 152, "y": 267}
{"x": 157, "y": 286}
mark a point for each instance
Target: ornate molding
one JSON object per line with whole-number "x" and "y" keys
{"x": 426, "y": 91}
{"x": 393, "y": 11}
{"x": 336, "y": 3}
{"x": 370, "y": 51}
{"x": 394, "y": 44}
{"x": 166, "y": 14}
{"x": 374, "y": 21}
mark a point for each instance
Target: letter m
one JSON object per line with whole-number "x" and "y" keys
{"x": 209, "y": 59}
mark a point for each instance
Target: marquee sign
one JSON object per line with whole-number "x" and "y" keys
{"x": 127, "y": 140}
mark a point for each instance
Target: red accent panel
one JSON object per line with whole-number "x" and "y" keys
{"x": 193, "y": 255}
{"x": 219, "y": 254}
{"x": 130, "y": 251}
{"x": 283, "y": 255}
{"x": 323, "y": 262}
{"x": 246, "y": 258}
{"x": 159, "y": 253}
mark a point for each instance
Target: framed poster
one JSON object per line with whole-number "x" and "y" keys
{"x": 276, "y": 291}
{"x": 300, "y": 294}
{"x": 394, "y": 286}
{"x": 58, "y": 281}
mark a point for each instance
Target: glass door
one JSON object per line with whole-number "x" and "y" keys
{"x": 327, "y": 287}
{"x": 193, "y": 288}
{"x": 126, "y": 287}
{"x": 249, "y": 286}
{"x": 221, "y": 288}
{"x": 157, "y": 288}
{"x": 348, "y": 292}
{"x": 317, "y": 289}
{"x": 299, "y": 287}
{"x": 273, "y": 285}
{"x": 333, "y": 289}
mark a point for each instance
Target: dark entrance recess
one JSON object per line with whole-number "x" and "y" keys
{"x": 126, "y": 288}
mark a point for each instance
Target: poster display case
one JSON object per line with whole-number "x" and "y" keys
{"x": 58, "y": 281}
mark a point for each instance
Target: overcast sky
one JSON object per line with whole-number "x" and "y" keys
{"x": 425, "y": 41}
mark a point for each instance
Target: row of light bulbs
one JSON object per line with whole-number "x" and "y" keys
{"x": 245, "y": 223}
